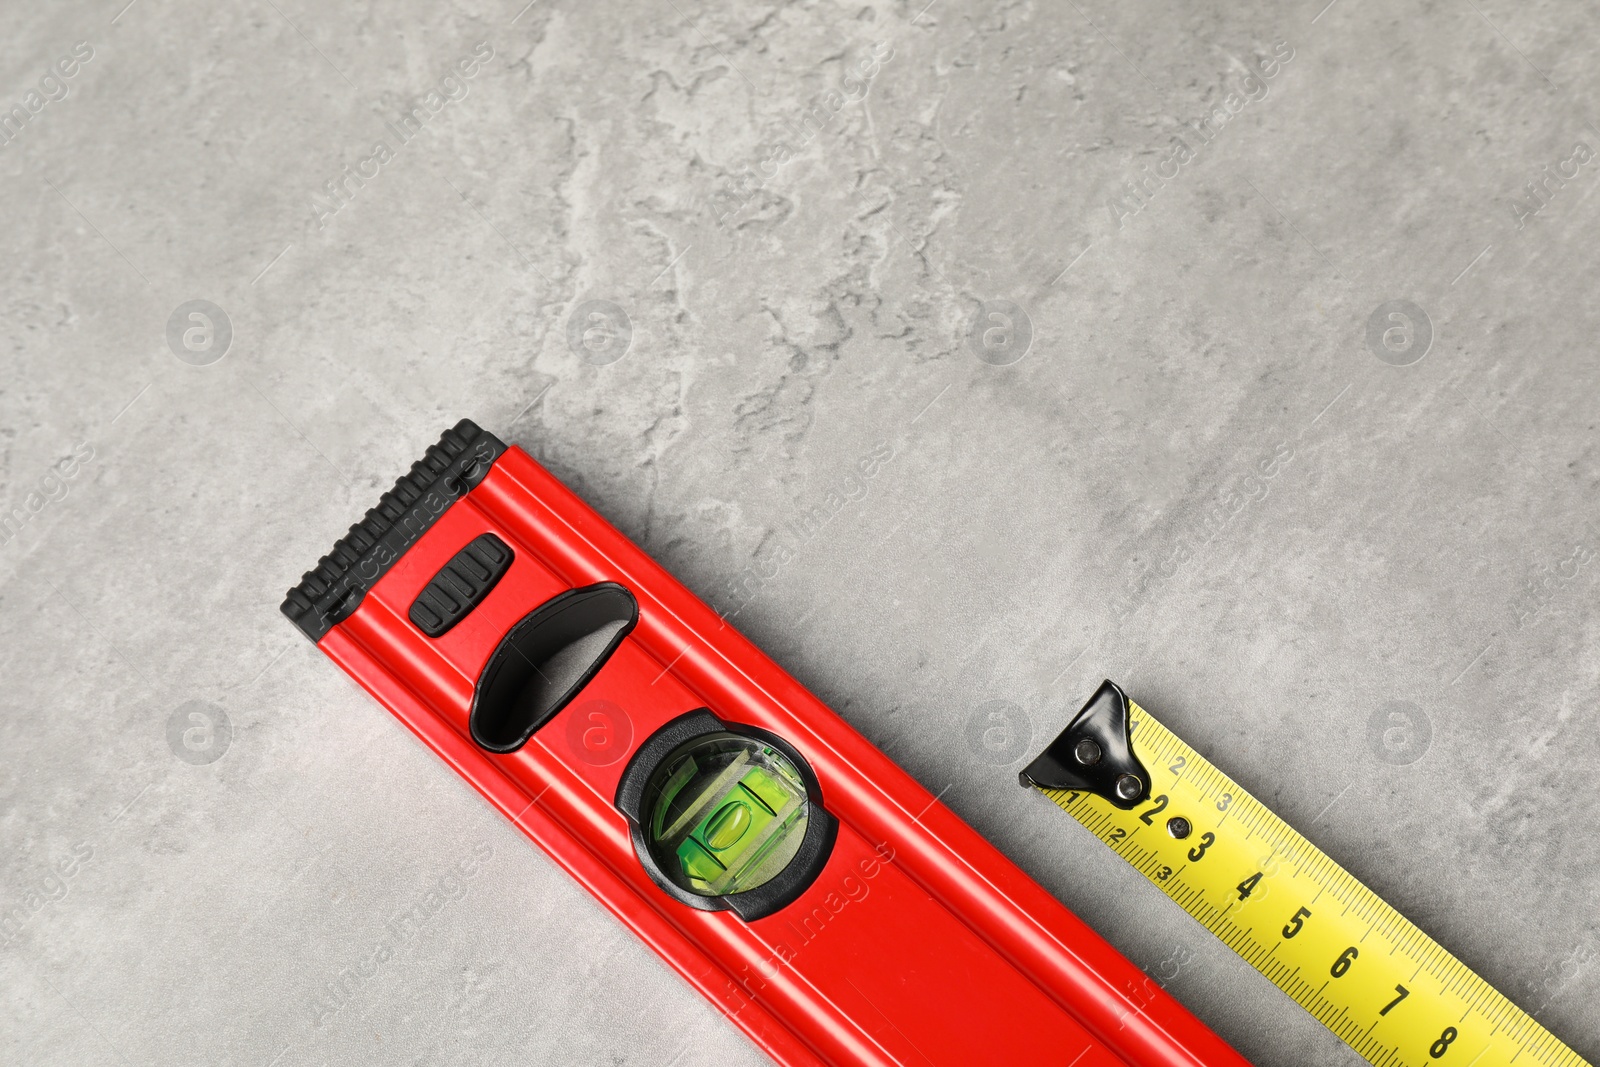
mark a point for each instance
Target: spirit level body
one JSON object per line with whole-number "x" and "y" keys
{"x": 916, "y": 941}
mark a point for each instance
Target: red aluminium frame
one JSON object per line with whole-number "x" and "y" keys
{"x": 918, "y": 943}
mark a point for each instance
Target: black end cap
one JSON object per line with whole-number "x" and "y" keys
{"x": 330, "y": 592}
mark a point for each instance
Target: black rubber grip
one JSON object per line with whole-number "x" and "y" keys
{"x": 460, "y": 585}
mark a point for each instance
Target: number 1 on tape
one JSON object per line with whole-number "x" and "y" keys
{"x": 1334, "y": 946}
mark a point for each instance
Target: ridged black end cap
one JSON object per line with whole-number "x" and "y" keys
{"x": 331, "y": 592}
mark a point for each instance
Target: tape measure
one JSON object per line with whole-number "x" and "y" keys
{"x": 1378, "y": 982}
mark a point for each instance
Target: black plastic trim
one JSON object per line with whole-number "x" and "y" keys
{"x": 1103, "y": 720}
{"x": 513, "y": 655}
{"x": 822, "y": 829}
{"x": 333, "y": 590}
{"x": 460, "y": 585}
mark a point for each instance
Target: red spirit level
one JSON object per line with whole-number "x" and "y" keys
{"x": 805, "y": 884}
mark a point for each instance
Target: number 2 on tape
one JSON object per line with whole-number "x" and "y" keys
{"x": 1334, "y": 946}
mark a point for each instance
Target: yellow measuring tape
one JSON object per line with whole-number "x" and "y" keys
{"x": 1374, "y": 979}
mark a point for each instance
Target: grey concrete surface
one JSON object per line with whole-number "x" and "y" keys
{"x": 1271, "y": 397}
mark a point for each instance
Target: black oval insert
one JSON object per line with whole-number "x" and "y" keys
{"x": 546, "y": 660}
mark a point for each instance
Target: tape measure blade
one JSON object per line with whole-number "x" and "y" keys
{"x": 1306, "y": 924}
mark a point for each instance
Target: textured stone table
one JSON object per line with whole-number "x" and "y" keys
{"x": 1242, "y": 353}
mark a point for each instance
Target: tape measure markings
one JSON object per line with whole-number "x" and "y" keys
{"x": 1200, "y": 800}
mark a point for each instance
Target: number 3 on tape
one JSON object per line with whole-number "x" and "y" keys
{"x": 1374, "y": 979}
{"x": 787, "y": 869}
